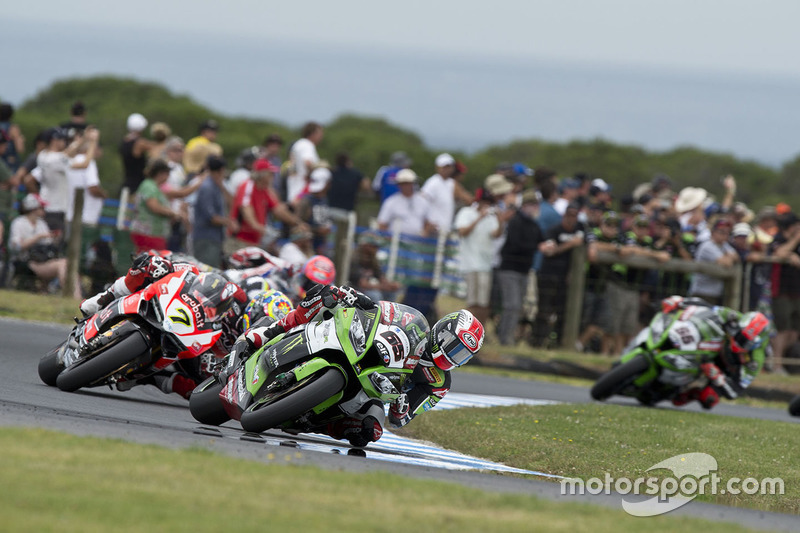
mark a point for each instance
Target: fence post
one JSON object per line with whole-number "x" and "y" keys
{"x": 123, "y": 207}
{"x": 733, "y": 288}
{"x": 391, "y": 268}
{"x": 438, "y": 264}
{"x": 576, "y": 283}
{"x": 344, "y": 248}
{"x": 74, "y": 244}
{"x": 748, "y": 276}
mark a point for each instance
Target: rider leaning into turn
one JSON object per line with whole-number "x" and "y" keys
{"x": 451, "y": 342}
{"x": 149, "y": 267}
{"x": 742, "y": 341}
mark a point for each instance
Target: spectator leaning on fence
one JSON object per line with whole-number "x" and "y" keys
{"x": 151, "y": 221}
{"x": 785, "y": 287}
{"x": 620, "y": 316}
{"x": 716, "y": 250}
{"x": 522, "y": 240}
{"x": 255, "y": 201}
{"x": 87, "y": 179}
{"x": 553, "y": 278}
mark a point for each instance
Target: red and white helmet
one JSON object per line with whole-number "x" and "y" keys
{"x": 318, "y": 270}
{"x": 249, "y": 257}
{"x": 454, "y": 339}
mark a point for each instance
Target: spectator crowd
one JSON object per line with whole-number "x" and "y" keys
{"x": 517, "y": 232}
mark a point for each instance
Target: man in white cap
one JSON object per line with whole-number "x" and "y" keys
{"x": 134, "y": 150}
{"x": 408, "y": 211}
{"x": 439, "y": 189}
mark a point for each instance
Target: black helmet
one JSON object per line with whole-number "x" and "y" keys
{"x": 214, "y": 293}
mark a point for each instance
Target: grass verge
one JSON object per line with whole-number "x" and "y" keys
{"x": 41, "y": 307}
{"x": 589, "y": 440}
{"x": 64, "y": 483}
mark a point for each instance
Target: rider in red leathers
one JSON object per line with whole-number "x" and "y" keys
{"x": 147, "y": 268}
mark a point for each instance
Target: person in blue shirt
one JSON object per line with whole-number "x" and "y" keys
{"x": 210, "y": 216}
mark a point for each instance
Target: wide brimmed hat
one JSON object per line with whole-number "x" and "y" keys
{"x": 690, "y": 198}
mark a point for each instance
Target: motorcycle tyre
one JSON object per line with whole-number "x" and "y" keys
{"x": 314, "y": 391}
{"x": 111, "y": 360}
{"x": 619, "y": 377}
{"x": 794, "y": 406}
{"x": 50, "y": 368}
{"x": 205, "y": 404}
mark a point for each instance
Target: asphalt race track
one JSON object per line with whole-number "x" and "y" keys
{"x": 146, "y": 415}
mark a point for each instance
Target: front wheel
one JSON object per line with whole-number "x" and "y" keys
{"x": 794, "y": 406}
{"x": 615, "y": 380}
{"x": 293, "y": 402}
{"x": 205, "y": 404}
{"x": 50, "y": 368}
{"x": 113, "y": 359}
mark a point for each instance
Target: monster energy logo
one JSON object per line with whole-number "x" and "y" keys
{"x": 296, "y": 342}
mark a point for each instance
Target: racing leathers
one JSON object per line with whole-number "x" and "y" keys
{"x": 146, "y": 269}
{"x": 421, "y": 390}
{"x": 732, "y": 369}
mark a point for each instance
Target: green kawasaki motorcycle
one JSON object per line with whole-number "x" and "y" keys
{"x": 317, "y": 373}
{"x": 664, "y": 358}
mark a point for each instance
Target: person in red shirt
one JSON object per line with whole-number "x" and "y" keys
{"x": 255, "y": 200}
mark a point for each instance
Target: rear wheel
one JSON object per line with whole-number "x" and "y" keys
{"x": 615, "y": 380}
{"x": 115, "y": 358}
{"x": 205, "y": 404}
{"x": 293, "y": 402}
{"x": 794, "y": 406}
{"x": 50, "y": 368}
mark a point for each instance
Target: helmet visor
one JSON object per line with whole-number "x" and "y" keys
{"x": 455, "y": 351}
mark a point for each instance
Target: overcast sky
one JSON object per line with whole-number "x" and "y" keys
{"x": 759, "y": 37}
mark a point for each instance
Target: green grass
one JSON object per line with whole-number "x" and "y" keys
{"x": 41, "y": 307}
{"x": 62, "y": 483}
{"x": 589, "y": 440}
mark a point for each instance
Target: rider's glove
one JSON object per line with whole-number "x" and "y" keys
{"x": 399, "y": 411}
{"x": 348, "y": 295}
{"x": 718, "y": 380}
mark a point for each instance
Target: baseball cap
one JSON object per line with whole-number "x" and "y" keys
{"x": 742, "y": 229}
{"x": 521, "y": 169}
{"x": 136, "y": 122}
{"x": 442, "y": 160}
{"x": 406, "y": 176}
{"x": 601, "y": 185}
{"x": 264, "y": 165}
{"x": 319, "y": 179}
